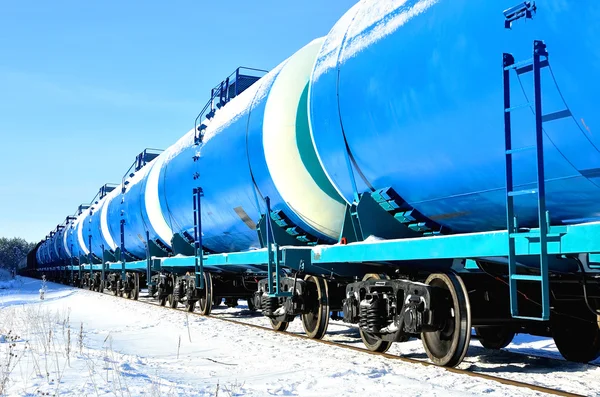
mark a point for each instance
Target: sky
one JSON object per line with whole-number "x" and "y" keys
{"x": 87, "y": 85}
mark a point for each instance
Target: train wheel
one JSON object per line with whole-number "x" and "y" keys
{"x": 217, "y": 300}
{"x": 372, "y": 342}
{"x": 206, "y": 300}
{"x": 251, "y": 305}
{"x": 136, "y": 289}
{"x": 449, "y": 346}
{"x": 577, "y": 340}
{"x": 101, "y": 288}
{"x": 163, "y": 301}
{"x": 172, "y": 301}
{"x": 190, "y": 305}
{"x": 316, "y": 321}
{"x": 231, "y": 302}
{"x": 279, "y": 325}
{"x": 496, "y": 337}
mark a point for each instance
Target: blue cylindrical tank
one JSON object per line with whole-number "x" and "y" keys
{"x": 129, "y": 206}
{"x": 52, "y": 253}
{"x": 59, "y": 244}
{"x": 257, "y": 145}
{"x": 97, "y": 225}
{"x": 410, "y": 93}
{"x": 39, "y": 256}
{"x": 45, "y": 257}
{"x": 50, "y": 250}
{"x": 72, "y": 244}
{"x": 78, "y": 237}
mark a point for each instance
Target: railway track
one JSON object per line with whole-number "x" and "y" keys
{"x": 468, "y": 372}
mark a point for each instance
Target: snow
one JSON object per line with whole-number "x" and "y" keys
{"x": 137, "y": 176}
{"x": 363, "y": 25}
{"x": 227, "y": 115}
{"x": 329, "y": 54}
{"x": 6, "y": 281}
{"x": 77, "y": 343}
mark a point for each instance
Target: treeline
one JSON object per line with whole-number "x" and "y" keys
{"x": 13, "y": 251}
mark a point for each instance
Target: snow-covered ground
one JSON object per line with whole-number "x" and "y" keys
{"x": 6, "y": 279}
{"x": 79, "y": 343}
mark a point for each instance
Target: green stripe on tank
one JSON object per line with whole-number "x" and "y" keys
{"x": 307, "y": 150}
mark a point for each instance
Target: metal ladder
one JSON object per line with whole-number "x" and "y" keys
{"x": 198, "y": 193}
{"x": 535, "y": 65}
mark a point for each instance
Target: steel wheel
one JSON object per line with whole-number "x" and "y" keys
{"x": 251, "y": 305}
{"x": 279, "y": 325}
{"x": 163, "y": 301}
{"x": 577, "y": 341}
{"x": 496, "y": 337}
{"x": 136, "y": 288}
{"x": 190, "y": 305}
{"x": 217, "y": 300}
{"x": 449, "y": 346}
{"x": 371, "y": 341}
{"x": 172, "y": 301}
{"x": 315, "y": 322}
{"x": 206, "y": 300}
{"x": 231, "y": 302}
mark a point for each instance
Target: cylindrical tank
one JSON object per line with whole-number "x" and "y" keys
{"x": 97, "y": 226}
{"x": 59, "y": 246}
{"x": 130, "y": 206}
{"x": 257, "y": 145}
{"x": 72, "y": 243}
{"x": 65, "y": 239}
{"x": 39, "y": 257}
{"x": 46, "y": 252}
{"x": 79, "y": 238}
{"x": 409, "y": 95}
{"x": 52, "y": 253}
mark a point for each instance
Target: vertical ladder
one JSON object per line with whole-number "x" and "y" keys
{"x": 535, "y": 65}
{"x": 273, "y": 264}
{"x": 90, "y": 258}
{"x": 198, "y": 251}
{"x": 149, "y": 281}
{"x": 72, "y": 266}
{"x": 122, "y": 250}
{"x": 104, "y": 260}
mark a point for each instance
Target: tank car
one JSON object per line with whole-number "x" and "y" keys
{"x": 428, "y": 167}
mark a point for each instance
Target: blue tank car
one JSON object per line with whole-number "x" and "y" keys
{"x": 430, "y": 111}
{"x": 428, "y": 167}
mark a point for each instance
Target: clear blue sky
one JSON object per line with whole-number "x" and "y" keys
{"x": 85, "y": 86}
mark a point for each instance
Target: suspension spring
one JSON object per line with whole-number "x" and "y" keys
{"x": 373, "y": 313}
{"x": 269, "y": 304}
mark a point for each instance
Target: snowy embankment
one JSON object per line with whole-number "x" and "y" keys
{"x": 6, "y": 280}
{"x": 79, "y": 343}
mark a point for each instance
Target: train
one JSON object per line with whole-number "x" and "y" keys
{"x": 427, "y": 169}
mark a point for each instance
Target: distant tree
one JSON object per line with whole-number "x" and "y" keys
{"x": 12, "y": 251}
